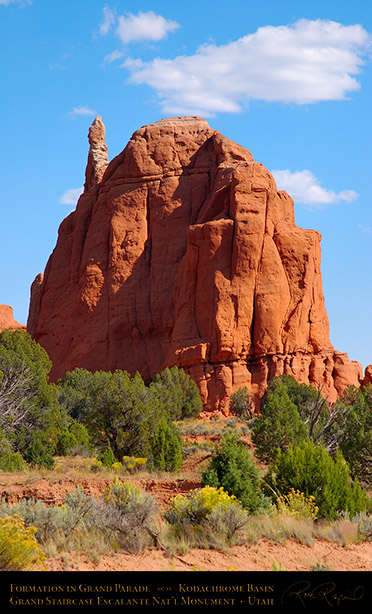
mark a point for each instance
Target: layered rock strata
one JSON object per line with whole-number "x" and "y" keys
{"x": 183, "y": 252}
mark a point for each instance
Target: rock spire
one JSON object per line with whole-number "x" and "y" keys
{"x": 98, "y": 156}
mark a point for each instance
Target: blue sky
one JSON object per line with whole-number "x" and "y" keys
{"x": 290, "y": 81}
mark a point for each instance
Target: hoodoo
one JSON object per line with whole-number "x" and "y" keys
{"x": 183, "y": 252}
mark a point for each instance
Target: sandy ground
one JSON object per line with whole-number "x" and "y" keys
{"x": 259, "y": 557}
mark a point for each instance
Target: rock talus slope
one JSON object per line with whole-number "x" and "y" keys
{"x": 183, "y": 252}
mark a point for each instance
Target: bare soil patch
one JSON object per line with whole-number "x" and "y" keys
{"x": 259, "y": 557}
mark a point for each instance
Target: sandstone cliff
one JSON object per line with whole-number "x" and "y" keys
{"x": 7, "y": 320}
{"x": 181, "y": 251}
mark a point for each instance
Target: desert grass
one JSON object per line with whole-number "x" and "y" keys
{"x": 76, "y": 468}
{"x": 280, "y": 528}
{"x": 213, "y": 429}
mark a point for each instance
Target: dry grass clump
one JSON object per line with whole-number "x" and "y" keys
{"x": 341, "y": 531}
{"x": 280, "y": 528}
{"x": 213, "y": 429}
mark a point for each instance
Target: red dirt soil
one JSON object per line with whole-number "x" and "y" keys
{"x": 261, "y": 556}
{"x": 258, "y": 557}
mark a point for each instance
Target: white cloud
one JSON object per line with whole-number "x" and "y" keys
{"x": 144, "y": 26}
{"x": 305, "y": 188}
{"x": 304, "y": 63}
{"x": 108, "y": 21}
{"x": 22, "y": 2}
{"x": 111, "y": 57}
{"x": 70, "y": 197}
{"x": 82, "y": 111}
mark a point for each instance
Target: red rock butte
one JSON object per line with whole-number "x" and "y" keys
{"x": 7, "y": 320}
{"x": 181, "y": 251}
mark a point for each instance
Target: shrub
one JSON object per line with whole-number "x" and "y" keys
{"x": 123, "y": 412}
{"x": 297, "y": 504}
{"x": 29, "y": 405}
{"x": 166, "y": 447}
{"x": 355, "y": 437}
{"x": 107, "y": 458}
{"x": 19, "y": 549}
{"x": 125, "y": 517}
{"x": 311, "y": 470}
{"x": 241, "y": 403}
{"x": 133, "y": 464}
{"x": 227, "y": 523}
{"x": 12, "y": 461}
{"x": 208, "y": 516}
{"x": 53, "y": 521}
{"x": 198, "y": 505}
{"x": 131, "y": 516}
{"x": 116, "y": 466}
{"x": 65, "y": 440}
{"x": 71, "y": 438}
{"x": 38, "y": 455}
{"x": 5, "y": 445}
{"x": 116, "y": 408}
{"x": 96, "y": 465}
{"x": 278, "y": 426}
{"x": 233, "y": 469}
{"x": 364, "y": 524}
{"x": 177, "y": 393}
{"x": 346, "y": 425}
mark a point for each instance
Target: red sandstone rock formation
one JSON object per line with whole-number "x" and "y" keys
{"x": 182, "y": 252}
{"x": 7, "y": 320}
{"x": 368, "y": 376}
{"x": 98, "y": 156}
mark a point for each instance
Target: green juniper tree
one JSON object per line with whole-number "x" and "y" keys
{"x": 178, "y": 393}
{"x": 278, "y": 426}
{"x": 310, "y": 469}
{"x": 292, "y": 412}
{"x": 166, "y": 447}
{"x": 30, "y": 415}
{"x": 233, "y": 468}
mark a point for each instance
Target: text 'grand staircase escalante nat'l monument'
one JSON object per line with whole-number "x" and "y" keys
{"x": 182, "y": 252}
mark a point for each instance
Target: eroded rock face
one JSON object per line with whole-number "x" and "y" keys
{"x": 7, "y": 320}
{"x": 184, "y": 253}
{"x": 98, "y": 155}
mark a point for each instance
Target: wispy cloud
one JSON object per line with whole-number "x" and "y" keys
{"x": 70, "y": 197}
{"x": 305, "y": 188}
{"x": 144, "y": 27}
{"x": 21, "y": 2}
{"x": 306, "y": 62}
{"x": 111, "y": 57}
{"x": 365, "y": 229}
{"x": 108, "y": 21}
{"x": 81, "y": 111}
